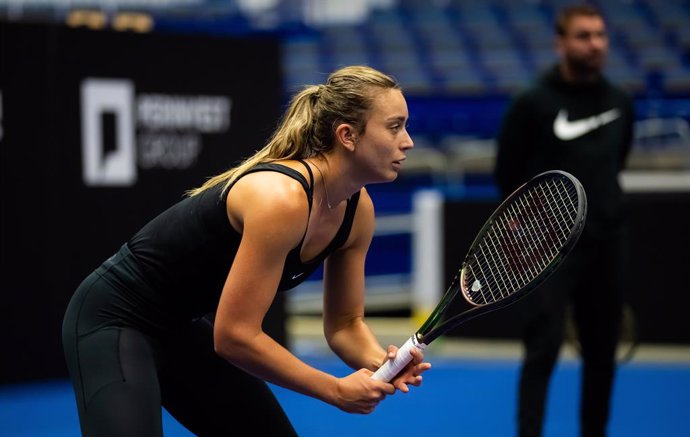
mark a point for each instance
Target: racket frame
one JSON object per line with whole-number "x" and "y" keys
{"x": 432, "y": 329}
{"x": 435, "y": 326}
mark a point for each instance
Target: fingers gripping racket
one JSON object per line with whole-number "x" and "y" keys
{"x": 519, "y": 246}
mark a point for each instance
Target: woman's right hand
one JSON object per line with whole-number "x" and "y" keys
{"x": 359, "y": 393}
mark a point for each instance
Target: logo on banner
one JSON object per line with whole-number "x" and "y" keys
{"x": 123, "y": 132}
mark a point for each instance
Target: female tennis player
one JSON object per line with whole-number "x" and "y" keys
{"x": 134, "y": 334}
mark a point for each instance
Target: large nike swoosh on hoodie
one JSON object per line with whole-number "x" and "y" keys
{"x": 569, "y": 130}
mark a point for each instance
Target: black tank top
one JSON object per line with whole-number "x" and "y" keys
{"x": 186, "y": 252}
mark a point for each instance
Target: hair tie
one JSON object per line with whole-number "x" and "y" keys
{"x": 318, "y": 91}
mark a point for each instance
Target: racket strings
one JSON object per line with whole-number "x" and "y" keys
{"x": 522, "y": 241}
{"x": 497, "y": 271}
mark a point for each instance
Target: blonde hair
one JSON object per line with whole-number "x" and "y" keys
{"x": 308, "y": 125}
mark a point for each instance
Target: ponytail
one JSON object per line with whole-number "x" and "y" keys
{"x": 306, "y": 129}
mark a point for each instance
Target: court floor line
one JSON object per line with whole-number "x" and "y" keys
{"x": 306, "y": 337}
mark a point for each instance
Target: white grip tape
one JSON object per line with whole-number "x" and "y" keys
{"x": 392, "y": 367}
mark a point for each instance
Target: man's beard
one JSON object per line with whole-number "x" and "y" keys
{"x": 585, "y": 67}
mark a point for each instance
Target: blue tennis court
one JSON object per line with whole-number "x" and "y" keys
{"x": 459, "y": 397}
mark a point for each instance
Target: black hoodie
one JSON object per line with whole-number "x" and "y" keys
{"x": 586, "y": 130}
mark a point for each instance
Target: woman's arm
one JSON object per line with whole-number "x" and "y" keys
{"x": 344, "y": 326}
{"x": 346, "y": 332}
{"x": 272, "y": 215}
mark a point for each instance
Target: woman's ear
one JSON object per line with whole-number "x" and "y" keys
{"x": 346, "y": 135}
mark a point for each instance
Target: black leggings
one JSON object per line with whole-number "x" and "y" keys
{"x": 122, "y": 376}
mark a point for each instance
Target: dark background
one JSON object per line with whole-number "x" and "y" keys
{"x": 54, "y": 229}
{"x": 656, "y": 285}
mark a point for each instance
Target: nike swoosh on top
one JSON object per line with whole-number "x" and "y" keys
{"x": 569, "y": 130}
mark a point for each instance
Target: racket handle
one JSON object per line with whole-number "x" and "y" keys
{"x": 390, "y": 368}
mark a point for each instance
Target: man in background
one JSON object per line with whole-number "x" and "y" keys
{"x": 573, "y": 119}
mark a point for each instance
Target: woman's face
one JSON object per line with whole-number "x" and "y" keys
{"x": 381, "y": 148}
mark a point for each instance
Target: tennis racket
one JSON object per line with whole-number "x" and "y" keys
{"x": 520, "y": 245}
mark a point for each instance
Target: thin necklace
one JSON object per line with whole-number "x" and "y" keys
{"x": 325, "y": 190}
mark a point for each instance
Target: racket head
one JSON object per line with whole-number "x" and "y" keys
{"x": 520, "y": 245}
{"x": 525, "y": 239}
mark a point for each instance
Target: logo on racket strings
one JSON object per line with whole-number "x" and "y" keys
{"x": 528, "y": 232}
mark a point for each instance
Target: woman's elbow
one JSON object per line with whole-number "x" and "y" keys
{"x": 227, "y": 344}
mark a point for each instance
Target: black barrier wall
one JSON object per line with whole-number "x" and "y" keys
{"x": 100, "y": 131}
{"x": 656, "y": 284}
